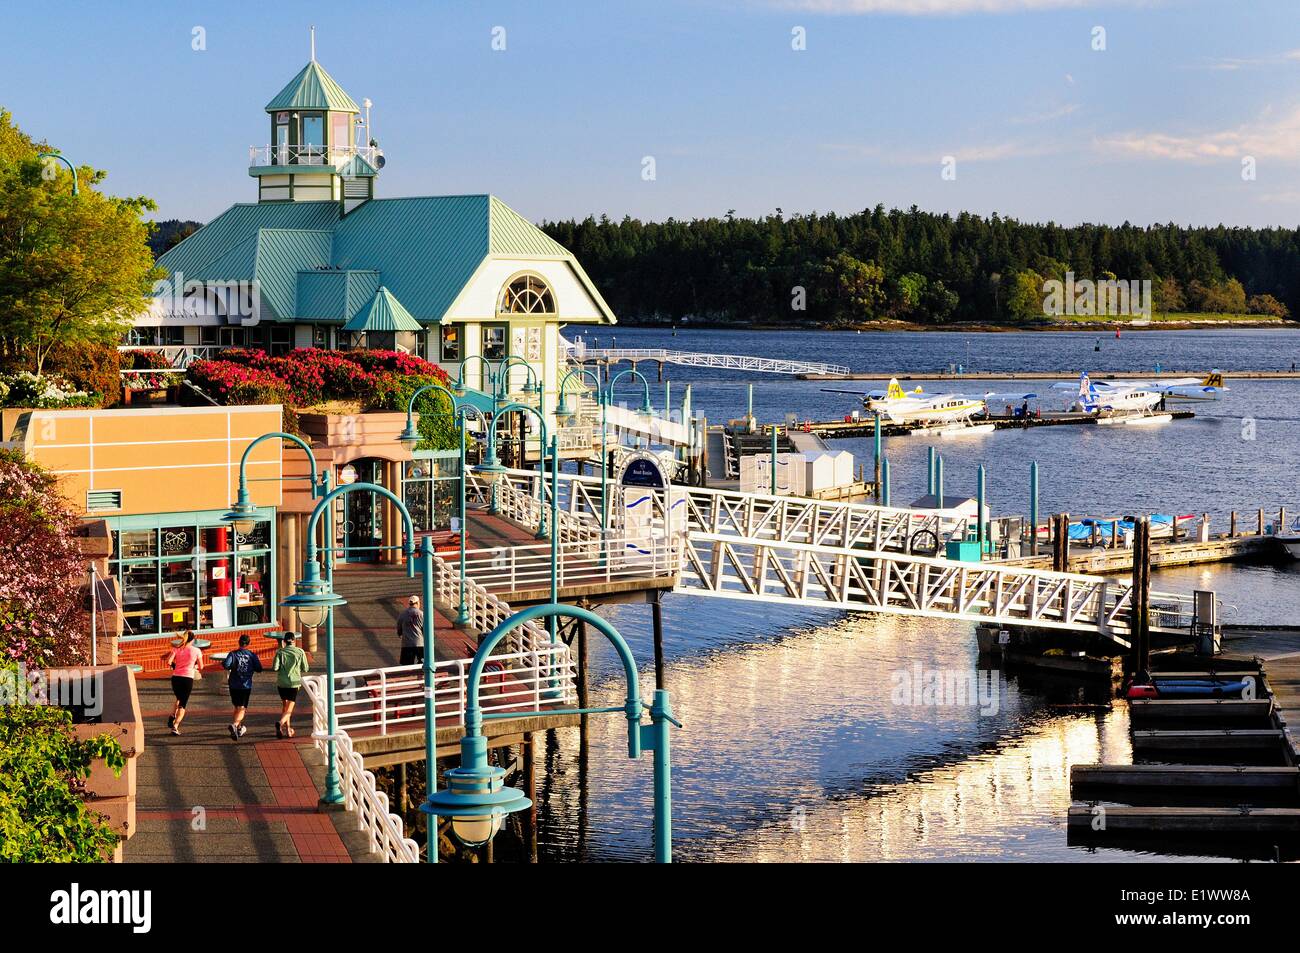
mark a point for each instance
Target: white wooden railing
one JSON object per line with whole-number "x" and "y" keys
{"x": 385, "y": 701}
{"x": 581, "y": 562}
{"x": 361, "y": 794}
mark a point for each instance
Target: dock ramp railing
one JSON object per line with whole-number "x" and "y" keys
{"x": 735, "y": 513}
{"x": 903, "y": 584}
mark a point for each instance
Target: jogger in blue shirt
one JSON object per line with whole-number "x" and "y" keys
{"x": 242, "y": 664}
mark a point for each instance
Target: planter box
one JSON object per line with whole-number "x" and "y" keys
{"x": 143, "y": 397}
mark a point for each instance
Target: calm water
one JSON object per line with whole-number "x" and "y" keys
{"x": 795, "y": 747}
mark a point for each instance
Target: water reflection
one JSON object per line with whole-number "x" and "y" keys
{"x": 794, "y": 749}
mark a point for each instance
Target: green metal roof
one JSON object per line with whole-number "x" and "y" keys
{"x": 313, "y": 88}
{"x": 335, "y": 295}
{"x": 281, "y": 254}
{"x": 425, "y": 251}
{"x": 510, "y": 234}
{"x": 385, "y": 314}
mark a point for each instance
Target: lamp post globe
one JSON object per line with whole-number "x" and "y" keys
{"x": 312, "y": 597}
{"x": 475, "y": 798}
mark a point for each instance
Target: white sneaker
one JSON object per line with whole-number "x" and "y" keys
{"x": 243, "y": 730}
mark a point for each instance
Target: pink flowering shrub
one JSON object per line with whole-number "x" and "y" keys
{"x": 42, "y": 619}
{"x": 311, "y": 376}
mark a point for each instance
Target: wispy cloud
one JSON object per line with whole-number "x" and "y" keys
{"x": 992, "y": 151}
{"x": 1033, "y": 119}
{"x": 926, "y": 8}
{"x": 1273, "y": 137}
{"x": 1253, "y": 62}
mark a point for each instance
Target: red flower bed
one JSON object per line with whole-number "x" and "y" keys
{"x": 307, "y": 376}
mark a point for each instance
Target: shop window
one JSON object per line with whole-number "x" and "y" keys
{"x": 451, "y": 343}
{"x": 193, "y": 576}
{"x": 494, "y": 342}
{"x": 431, "y": 491}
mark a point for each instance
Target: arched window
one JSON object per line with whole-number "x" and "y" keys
{"x": 527, "y": 294}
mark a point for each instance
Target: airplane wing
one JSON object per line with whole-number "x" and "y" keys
{"x": 875, "y": 394}
{"x": 1006, "y": 397}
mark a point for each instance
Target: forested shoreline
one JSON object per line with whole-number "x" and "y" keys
{"x": 828, "y": 270}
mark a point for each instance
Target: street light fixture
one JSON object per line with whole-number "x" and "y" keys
{"x": 64, "y": 159}
{"x": 314, "y": 600}
{"x": 476, "y": 798}
{"x": 493, "y": 470}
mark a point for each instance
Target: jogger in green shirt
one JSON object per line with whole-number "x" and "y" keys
{"x": 289, "y": 666}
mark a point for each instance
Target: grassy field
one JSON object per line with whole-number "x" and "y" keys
{"x": 1171, "y": 317}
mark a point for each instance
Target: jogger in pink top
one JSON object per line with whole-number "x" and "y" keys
{"x": 187, "y": 664}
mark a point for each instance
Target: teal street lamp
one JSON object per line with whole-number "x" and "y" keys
{"x": 411, "y": 436}
{"x": 582, "y": 373}
{"x": 531, "y": 385}
{"x": 64, "y": 159}
{"x": 607, "y": 398}
{"x": 476, "y": 797}
{"x": 244, "y": 513}
{"x": 314, "y": 600}
{"x": 493, "y": 470}
{"x": 487, "y": 375}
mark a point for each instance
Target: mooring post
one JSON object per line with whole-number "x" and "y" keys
{"x": 1232, "y": 525}
{"x": 774, "y": 459}
{"x": 979, "y": 509}
{"x": 582, "y": 676}
{"x": 530, "y": 789}
{"x": 938, "y": 481}
{"x": 1033, "y": 508}
{"x": 929, "y": 462}
{"x": 1280, "y": 528}
{"x": 657, "y": 620}
{"x": 1140, "y": 597}
{"x": 749, "y": 408}
{"x": 884, "y": 482}
{"x": 879, "y": 498}
{"x": 703, "y": 457}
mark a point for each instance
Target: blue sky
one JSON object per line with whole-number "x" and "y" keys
{"x": 1042, "y": 126}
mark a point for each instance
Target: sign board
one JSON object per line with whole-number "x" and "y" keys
{"x": 348, "y": 475}
{"x": 643, "y": 472}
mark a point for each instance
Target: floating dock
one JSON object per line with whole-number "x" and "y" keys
{"x": 865, "y": 426}
{"x": 1044, "y": 375}
{"x": 1103, "y": 560}
{"x": 1255, "y": 736}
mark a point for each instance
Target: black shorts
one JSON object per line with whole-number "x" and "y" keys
{"x": 287, "y": 694}
{"x": 239, "y": 696}
{"x": 411, "y": 655}
{"x": 181, "y": 688}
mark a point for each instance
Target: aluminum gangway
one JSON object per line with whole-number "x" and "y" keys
{"x": 847, "y": 556}
{"x": 735, "y": 513}
{"x": 579, "y": 351}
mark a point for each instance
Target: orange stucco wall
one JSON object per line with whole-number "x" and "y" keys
{"x": 163, "y": 459}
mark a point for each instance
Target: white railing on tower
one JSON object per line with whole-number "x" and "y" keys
{"x": 287, "y": 155}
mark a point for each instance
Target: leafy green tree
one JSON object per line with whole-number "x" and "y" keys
{"x": 1025, "y": 301}
{"x": 73, "y": 268}
{"x": 43, "y": 765}
{"x": 857, "y": 287}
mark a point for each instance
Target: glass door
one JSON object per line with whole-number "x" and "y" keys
{"x": 361, "y": 515}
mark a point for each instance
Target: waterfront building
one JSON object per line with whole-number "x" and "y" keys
{"x": 321, "y": 260}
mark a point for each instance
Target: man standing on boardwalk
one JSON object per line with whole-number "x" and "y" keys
{"x": 410, "y": 629}
{"x": 242, "y": 664}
